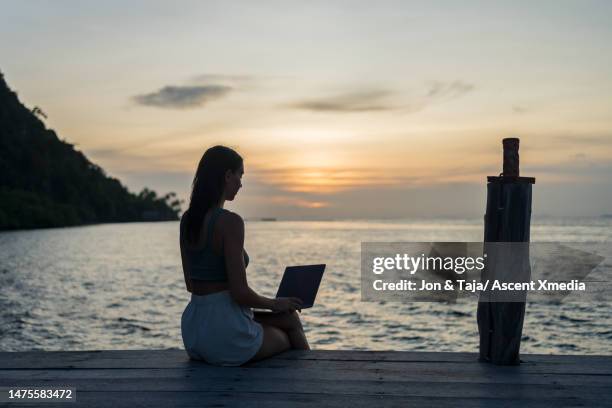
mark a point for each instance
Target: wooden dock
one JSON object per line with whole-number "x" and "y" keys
{"x": 166, "y": 378}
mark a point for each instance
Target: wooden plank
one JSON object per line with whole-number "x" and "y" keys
{"x": 256, "y": 383}
{"x": 424, "y": 367}
{"x": 432, "y": 356}
{"x": 284, "y": 400}
{"x": 432, "y": 373}
{"x": 95, "y": 359}
{"x": 465, "y": 369}
{"x": 178, "y": 358}
{"x": 321, "y": 378}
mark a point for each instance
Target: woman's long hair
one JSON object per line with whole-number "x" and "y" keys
{"x": 208, "y": 185}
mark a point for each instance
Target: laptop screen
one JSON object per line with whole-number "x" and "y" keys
{"x": 301, "y": 281}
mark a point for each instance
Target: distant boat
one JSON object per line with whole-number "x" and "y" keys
{"x": 267, "y": 219}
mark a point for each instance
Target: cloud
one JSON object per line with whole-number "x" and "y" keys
{"x": 298, "y": 202}
{"x": 260, "y": 198}
{"x": 223, "y": 78}
{"x": 519, "y": 109}
{"x": 440, "y": 90}
{"x": 328, "y": 181}
{"x": 578, "y": 167}
{"x": 384, "y": 100}
{"x": 182, "y": 97}
{"x": 351, "y": 102}
{"x": 595, "y": 140}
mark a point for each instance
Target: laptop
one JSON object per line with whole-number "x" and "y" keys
{"x": 301, "y": 281}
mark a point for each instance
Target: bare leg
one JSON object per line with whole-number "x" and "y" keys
{"x": 275, "y": 341}
{"x": 290, "y": 323}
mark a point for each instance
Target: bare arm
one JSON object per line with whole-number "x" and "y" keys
{"x": 186, "y": 269}
{"x": 184, "y": 260}
{"x": 233, "y": 243}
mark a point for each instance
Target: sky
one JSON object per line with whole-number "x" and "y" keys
{"x": 340, "y": 109}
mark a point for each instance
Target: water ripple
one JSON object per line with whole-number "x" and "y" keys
{"x": 97, "y": 287}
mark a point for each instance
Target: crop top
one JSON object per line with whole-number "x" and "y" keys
{"x": 204, "y": 264}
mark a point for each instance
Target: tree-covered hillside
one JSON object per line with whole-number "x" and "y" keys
{"x": 45, "y": 182}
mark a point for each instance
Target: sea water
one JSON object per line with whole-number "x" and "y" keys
{"x": 121, "y": 286}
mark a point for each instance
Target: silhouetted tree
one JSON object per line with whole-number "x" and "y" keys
{"x": 45, "y": 182}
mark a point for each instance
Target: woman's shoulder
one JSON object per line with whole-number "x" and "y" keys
{"x": 230, "y": 217}
{"x": 230, "y": 221}
{"x": 227, "y": 221}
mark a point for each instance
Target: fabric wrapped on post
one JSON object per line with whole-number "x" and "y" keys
{"x": 507, "y": 219}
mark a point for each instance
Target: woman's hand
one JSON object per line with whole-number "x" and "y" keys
{"x": 287, "y": 304}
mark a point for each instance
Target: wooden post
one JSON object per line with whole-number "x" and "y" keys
{"x": 507, "y": 219}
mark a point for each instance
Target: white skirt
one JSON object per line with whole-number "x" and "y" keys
{"x": 219, "y": 331}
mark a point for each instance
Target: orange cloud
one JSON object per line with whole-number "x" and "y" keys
{"x": 298, "y": 202}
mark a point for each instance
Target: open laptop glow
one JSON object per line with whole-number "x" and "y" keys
{"x": 301, "y": 281}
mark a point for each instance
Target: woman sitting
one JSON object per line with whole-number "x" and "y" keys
{"x": 218, "y": 325}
